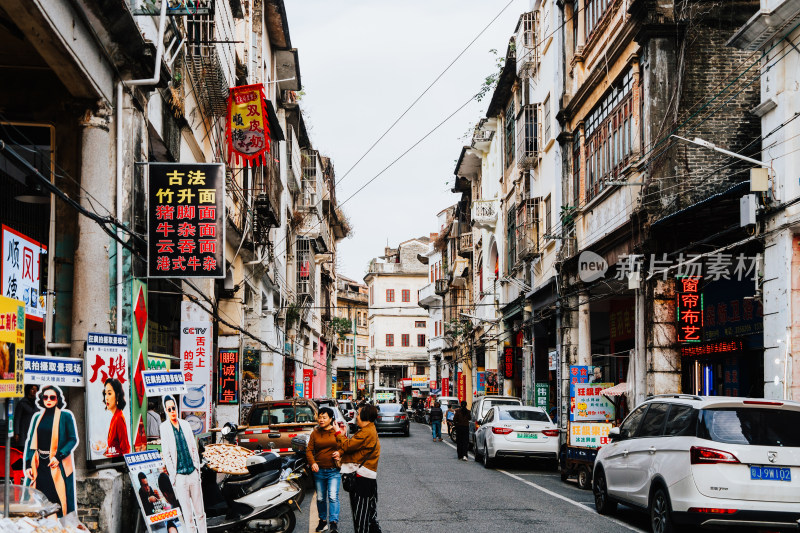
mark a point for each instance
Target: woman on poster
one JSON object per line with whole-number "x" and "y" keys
{"x": 114, "y": 399}
{"x": 48, "y": 450}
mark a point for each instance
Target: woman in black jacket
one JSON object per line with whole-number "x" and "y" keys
{"x": 436, "y": 421}
{"x": 461, "y": 421}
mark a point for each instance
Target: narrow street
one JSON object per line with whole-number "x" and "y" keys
{"x": 422, "y": 487}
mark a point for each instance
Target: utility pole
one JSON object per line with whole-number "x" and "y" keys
{"x": 355, "y": 358}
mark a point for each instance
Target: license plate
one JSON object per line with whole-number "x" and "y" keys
{"x": 533, "y": 436}
{"x": 387, "y": 418}
{"x": 770, "y": 473}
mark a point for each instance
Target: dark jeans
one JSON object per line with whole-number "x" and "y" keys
{"x": 462, "y": 440}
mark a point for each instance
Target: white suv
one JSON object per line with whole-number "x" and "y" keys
{"x": 708, "y": 461}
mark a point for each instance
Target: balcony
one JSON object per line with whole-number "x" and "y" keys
{"x": 441, "y": 286}
{"x": 484, "y": 213}
{"x": 527, "y": 230}
{"x": 205, "y": 66}
{"x": 305, "y": 273}
{"x": 569, "y": 247}
{"x": 482, "y": 139}
{"x": 311, "y": 187}
{"x": 465, "y": 245}
{"x": 529, "y": 135}
{"x": 527, "y": 45}
{"x": 437, "y": 344}
{"x": 319, "y": 233}
{"x": 267, "y": 190}
{"x": 295, "y": 166}
{"x": 428, "y": 296}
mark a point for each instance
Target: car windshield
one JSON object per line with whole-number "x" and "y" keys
{"x": 488, "y": 404}
{"x": 390, "y": 408}
{"x": 747, "y": 425}
{"x": 282, "y": 413}
{"x": 522, "y": 414}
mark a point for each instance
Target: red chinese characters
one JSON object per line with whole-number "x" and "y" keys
{"x": 690, "y": 310}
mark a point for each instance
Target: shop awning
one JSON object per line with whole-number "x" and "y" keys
{"x": 616, "y": 390}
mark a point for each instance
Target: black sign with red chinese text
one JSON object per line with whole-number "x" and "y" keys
{"x": 508, "y": 362}
{"x": 228, "y": 377}
{"x": 186, "y": 220}
{"x": 690, "y": 310}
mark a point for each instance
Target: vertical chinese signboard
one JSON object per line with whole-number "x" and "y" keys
{"x": 186, "y": 221}
{"x": 247, "y": 127}
{"x": 462, "y": 387}
{"x": 108, "y": 396}
{"x": 12, "y": 347}
{"x": 308, "y": 385}
{"x": 196, "y": 350}
{"x": 542, "y": 394}
{"x": 20, "y": 278}
{"x": 228, "y": 377}
{"x": 508, "y": 362}
{"x": 690, "y": 310}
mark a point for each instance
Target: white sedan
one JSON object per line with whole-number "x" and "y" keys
{"x": 516, "y": 431}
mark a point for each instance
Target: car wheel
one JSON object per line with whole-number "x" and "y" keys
{"x": 584, "y": 478}
{"x": 602, "y": 502}
{"x": 487, "y": 462}
{"x": 478, "y": 456}
{"x": 407, "y": 432}
{"x": 660, "y": 512}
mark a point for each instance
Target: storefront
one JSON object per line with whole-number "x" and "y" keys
{"x": 728, "y": 360}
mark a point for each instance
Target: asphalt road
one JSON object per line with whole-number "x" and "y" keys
{"x": 424, "y": 488}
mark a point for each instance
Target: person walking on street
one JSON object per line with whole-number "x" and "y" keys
{"x": 322, "y": 444}
{"x": 462, "y": 419}
{"x": 360, "y": 454}
{"x": 436, "y": 422}
{"x": 451, "y": 412}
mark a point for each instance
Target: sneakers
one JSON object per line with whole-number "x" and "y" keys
{"x": 334, "y": 526}
{"x": 463, "y": 458}
{"x": 323, "y": 526}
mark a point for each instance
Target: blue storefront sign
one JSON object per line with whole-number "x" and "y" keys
{"x": 46, "y": 370}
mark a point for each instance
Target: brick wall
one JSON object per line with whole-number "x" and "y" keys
{"x": 710, "y": 98}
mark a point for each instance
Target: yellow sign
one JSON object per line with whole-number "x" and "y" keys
{"x": 12, "y": 347}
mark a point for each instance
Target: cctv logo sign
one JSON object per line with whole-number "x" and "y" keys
{"x": 591, "y": 266}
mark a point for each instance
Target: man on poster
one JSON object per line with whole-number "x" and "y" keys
{"x": 182, "y": 460}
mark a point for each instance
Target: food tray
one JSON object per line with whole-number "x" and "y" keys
{"x": 227, "y": 458}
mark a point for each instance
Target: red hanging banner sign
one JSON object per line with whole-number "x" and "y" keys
{"x": 247, "y": 126}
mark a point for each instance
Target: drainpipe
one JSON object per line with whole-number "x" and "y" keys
{"x": 162, "y": 24}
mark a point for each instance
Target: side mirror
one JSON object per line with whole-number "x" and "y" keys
{"x": 614, "y": 434}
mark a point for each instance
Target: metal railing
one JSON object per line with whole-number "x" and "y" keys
{"x": 527, "y": 45}
{"x": 529, "y": 136}
{"x": 205, "y": 66}
{"x": 527, "y": 230}
{"x": 465, "y": 243}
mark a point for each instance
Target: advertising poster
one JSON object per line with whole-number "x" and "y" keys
{"x": 58, "y": 482}
{"x": 589, "y": 404}
{"x": 228, "y": 377}
{"x": 154, "y": 492}
{"x": 46, "y": 370}
{"x": 462, "y": 387}
{"x": 22, "y": 260}
{"x": 419, "y": 381}
{"x": 247, "y": 128}
{"x": 491, "y": 382}
{"x": 186, "y": 225}
{"x": 589, "y": 434}
{"x": 196, "y": 350}
{"x": 12, "y": 346}
{"x": 360, "y": 383}
{"x": 445, "y": 386}
{"x": 108, "y": 388}
{"x": 481, "y": 382}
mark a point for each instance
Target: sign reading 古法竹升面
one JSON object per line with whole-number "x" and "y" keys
{"x": 186, "y": 220}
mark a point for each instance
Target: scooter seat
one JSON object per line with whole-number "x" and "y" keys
{"x": 234, "y": 489}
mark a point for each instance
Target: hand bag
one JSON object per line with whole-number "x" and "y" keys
{"x": 349, "y": 479}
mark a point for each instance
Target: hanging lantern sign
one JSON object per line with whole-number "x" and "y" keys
{"x": 248, "y": 128}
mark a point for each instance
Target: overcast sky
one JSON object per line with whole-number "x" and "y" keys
{"x": 362, "y": 63}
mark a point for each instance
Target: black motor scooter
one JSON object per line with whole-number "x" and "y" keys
{"x": 263, "y": 500}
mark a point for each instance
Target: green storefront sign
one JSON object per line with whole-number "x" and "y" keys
{"x": 542, "y": 395}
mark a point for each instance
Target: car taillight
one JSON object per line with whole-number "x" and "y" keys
{"x": 550, "y": 432}
{"x": 501, "y": 431}
{"x": 711, "y": 510}
{"x": 477, "y": 426}
{"x": 709, "y": 456}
